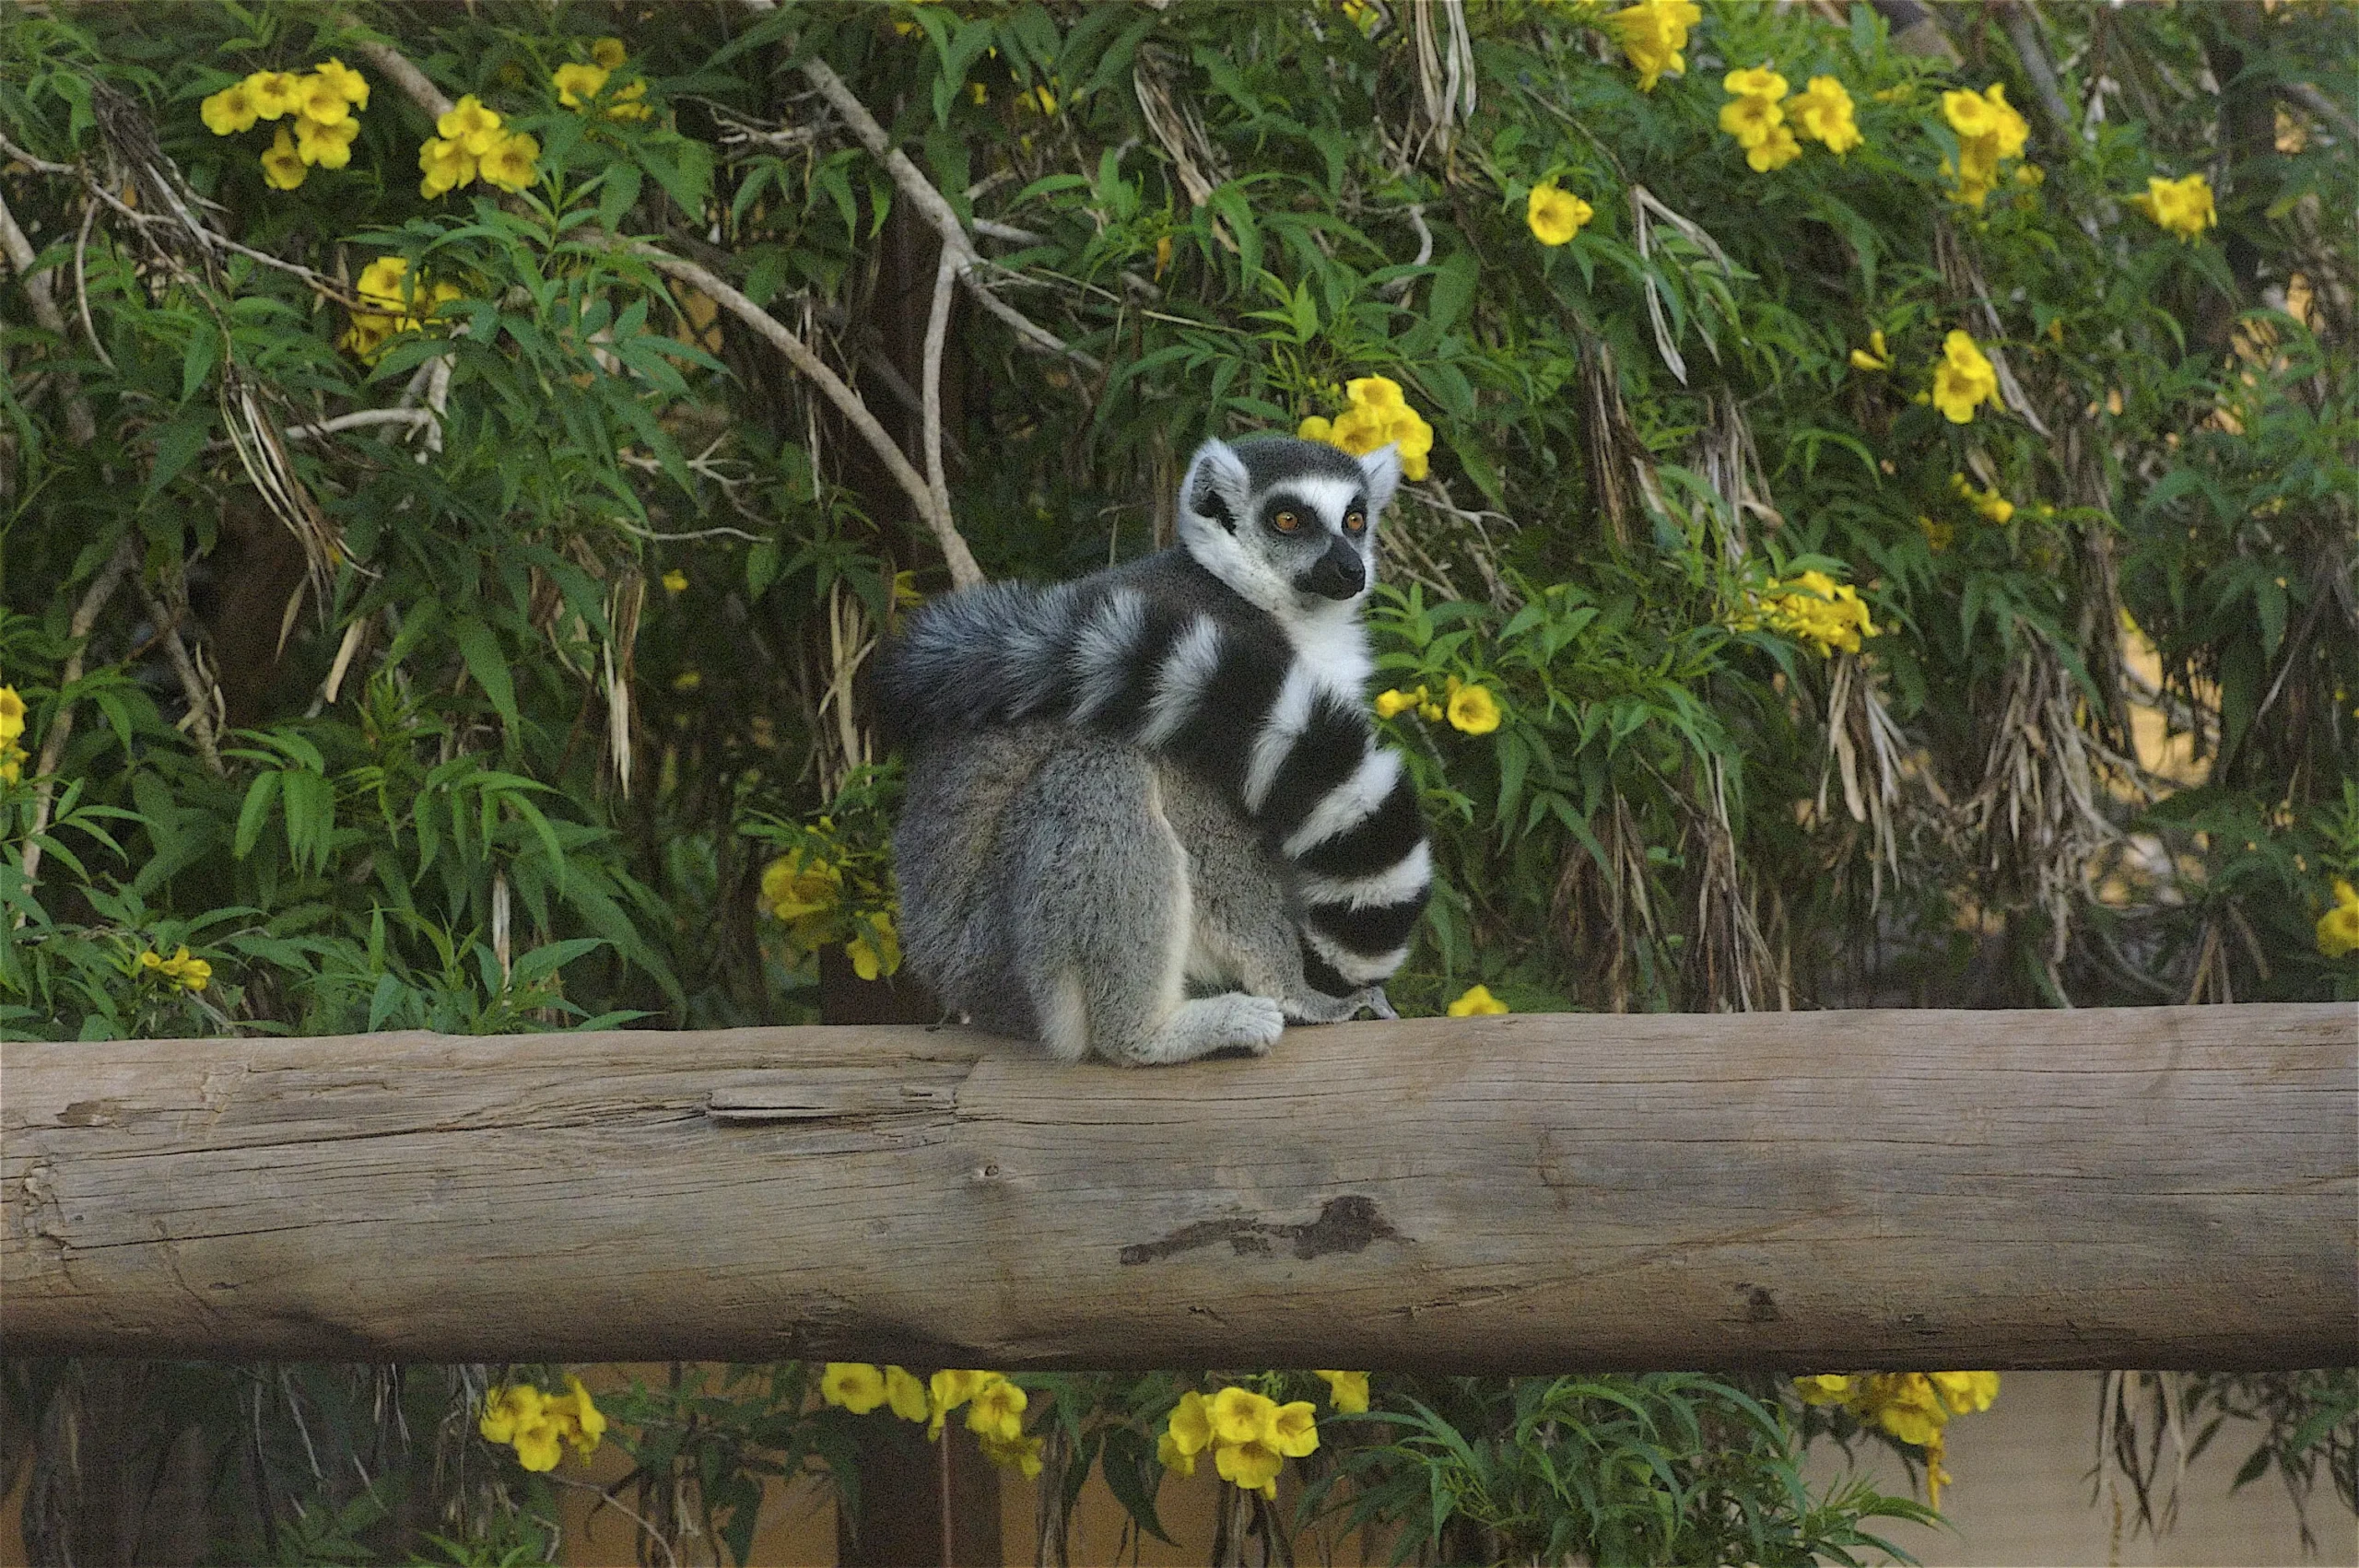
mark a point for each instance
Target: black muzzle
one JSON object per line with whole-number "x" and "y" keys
{"x": 1338, "y": 575}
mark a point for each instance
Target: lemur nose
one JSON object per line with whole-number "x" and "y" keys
{"x": 1338, "y": 575}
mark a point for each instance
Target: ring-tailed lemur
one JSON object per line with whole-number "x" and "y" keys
{"x": 1225, "y": 682}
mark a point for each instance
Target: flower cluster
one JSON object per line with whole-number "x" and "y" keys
{"x": 475, "y": 144}
{"x": 2338, "y": 931}
{"x": 1379, "y": 416}
{"x": 578, "y": 83}
{"x": 994, "y": 1406}
{"x": 397, "y": 304}
{"x": 1963, "y": 379}
{"x": 1757, "y": 115}
{"x": 1470, "y": 708}
{"x": 2182, "y": 206}
{"x": 12, "y": 735}
{"x": 1989, "y": 504}
{"x": 534, "y": 1421}
{"x": 1989, "y": 130}
{"x": 1653, "y": 33}
{"x": 1556, "y": 215}
{"x": 324, "y": 102}
{"x": 1813, "y": 608}
{"x": 1912, "y": 1406}
{"x": 179, "y": 969}
{"x": 807, "y": 892}
{"x": 1477, "y": 1002}
{"x": 1250, "y": 1435}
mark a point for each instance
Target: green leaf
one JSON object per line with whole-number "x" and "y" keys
{"x": 488, "y": 665}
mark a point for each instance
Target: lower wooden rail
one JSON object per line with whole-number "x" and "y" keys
{"x": 2135, "y": 1187}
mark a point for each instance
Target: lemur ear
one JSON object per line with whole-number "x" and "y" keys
{"x": 1217, "y": 486}
{"x": 1381, "y": 468}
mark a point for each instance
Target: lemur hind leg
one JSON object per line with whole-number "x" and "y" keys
{"x": 1104, "y": 916}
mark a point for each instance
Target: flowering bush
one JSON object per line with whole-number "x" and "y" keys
{"x": 1875, "y": 529}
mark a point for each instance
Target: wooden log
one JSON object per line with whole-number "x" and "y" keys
{"x": 2134, "y": 1187}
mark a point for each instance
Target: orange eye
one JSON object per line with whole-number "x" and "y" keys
{"x": 1355, "y": 524}
{"x": 1285, "y": 522}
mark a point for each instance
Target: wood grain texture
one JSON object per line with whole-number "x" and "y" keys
{"x": 2136, "y": 1187}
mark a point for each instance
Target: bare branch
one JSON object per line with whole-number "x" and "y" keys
{"x": 405, "y": 76}
{"x": 193, "y": 686}
{"x": 39, "y": 287}
{"x": 937, "y": 328}
{"x": 963, "y": 569}
{"x": 360, "y": 419}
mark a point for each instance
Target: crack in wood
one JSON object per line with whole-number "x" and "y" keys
{"x": 1344, "y": 1224}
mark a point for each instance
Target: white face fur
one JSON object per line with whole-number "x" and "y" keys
{"x": 1291, "y": 526}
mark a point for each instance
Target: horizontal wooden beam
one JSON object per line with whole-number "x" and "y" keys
{"x": 2137, "y": 1187}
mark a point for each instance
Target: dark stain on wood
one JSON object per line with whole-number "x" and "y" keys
{"x": 1344, "y": 1224}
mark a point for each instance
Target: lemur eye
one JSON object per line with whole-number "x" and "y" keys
{"x": 1285, "y": 522}
{"x": 1356, "y": 523}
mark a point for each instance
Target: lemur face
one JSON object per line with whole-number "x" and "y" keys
{"x": 1289, "y": 524}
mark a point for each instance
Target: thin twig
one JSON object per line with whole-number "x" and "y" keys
{"x": 39, "y": 293}
{"x": 61, "y": 729}
{"x": 359, "y": 420}
{"x": 963, "y": 569}
{"x": 200, "y": 700}
{"x": 82, "y": 283}
{"x": 937, "y": 328}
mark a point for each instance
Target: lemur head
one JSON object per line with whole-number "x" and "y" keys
{"x": 1288, "y": 524}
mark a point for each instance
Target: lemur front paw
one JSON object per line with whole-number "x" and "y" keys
{"x": 1318, "y": 1006}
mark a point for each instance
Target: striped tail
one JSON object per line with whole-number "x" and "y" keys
{"x": 1226, "y": 698}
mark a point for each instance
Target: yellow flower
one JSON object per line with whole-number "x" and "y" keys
{"x": 1750, "y": 119}
{"x": 854, "y": 1384}
{"x": 511, "y": 163}
{"x": 1239, "y": 1415}
{"x": 608, "y": 51}
{"x": 320, "y": 98}
{"x": 1346, "y": 1391}
{"x": 875, "y": 951}
{"x": 1938, "y": 532}
{"x": 1555, "y": 216}
{"x": 906, "y": 1395}
{"x": 1477, "y": 1001}
{"x": 1966, "y": 1392}
{"x": 1037, "y": 101}
{"x": 625, "y": 105}
{"x": 1021, "y": 1455}
{"x": 1755, "y": 81}
{"x": 1472, "y": 710}
{"x": 1963, "y": 380}
{"x": 577, "y": 84}
{"x": 675, "y": 581}
{"x": 997, "y": 1410}
{"x": 2337, "y": 932}
{"x": 1392, "y": 704}
{"x": 446, "y": 164}
{"x": 472, "y": 125}
{"x": 282, "y": 166}
{"x": 274, "y": 93}
{"x": 1876, "y": 357}
{"x": 347, "y": 81}
{"x": 1992, "y": 506}
{"x": 189, "y": 974}
{"x": 950, "y": 1388}
{"x": 1251, "y": 1466}
{"x": 1815, "y": 608}
{"x": 1774, "y": 151}
{"x": 1823, "y": 113}
{"x": 1825, "y": 1389}
{"x": 229, "y": 111}
{"x": 1171, "y": 1457}
{"x": 800, "y": 889}
{"x": 1652, "y": 33}
{"x": 12, "y": 763}
{"x": 1294, "y": 1429}
{"x": 1189, "y": 1429}
{"x": 12, "y": 714}
{"x": 536, "y": 1449}
{"x": 1988, "y": 129}
{"x": 1379, "y": 416}
{"x": 2182, "y": 206}
{"x": 326, "y": 144}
